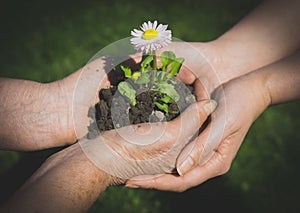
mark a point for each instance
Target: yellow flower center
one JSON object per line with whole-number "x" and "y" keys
{"x": 150, "y": 34}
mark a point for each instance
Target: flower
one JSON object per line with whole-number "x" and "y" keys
{"x": 151, "y": 37}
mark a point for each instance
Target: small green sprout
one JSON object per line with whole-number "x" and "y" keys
{"x": 160, "y": 82}
{"x": 127, "y": 90}
{"x": 162, "y": 106}
{"x": 156, "y": 78}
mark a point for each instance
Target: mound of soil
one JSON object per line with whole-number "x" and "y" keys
{"x": 114, "y": 110}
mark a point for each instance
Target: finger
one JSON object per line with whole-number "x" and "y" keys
{"x": 202, "y": 88}
{"x": 137, "y": 58}
{"x": 190, "y": 155}
{"x": 186, "y": 76}
{"x": 170, "y": 182}
{"x": 167, "y": 182}
{"x": 133, "y": 61}
{"x": 201, "y": 149}
{"x": 184, "y": 50}
{"x": 217, "y": 165}
{"x": 193, "y": 118}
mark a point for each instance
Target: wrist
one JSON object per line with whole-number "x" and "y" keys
{"x": 217, "y": 61}
{"x": 256, "y": 82}
{"x": 236, "y": 57}
{"x": 60, "y": 98}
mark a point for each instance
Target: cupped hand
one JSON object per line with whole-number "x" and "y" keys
{"x": 240, "y": 102}
{"x": 81, "y": 90}
{"x": 146, "y": 148}
{"x": 205, "y": 61}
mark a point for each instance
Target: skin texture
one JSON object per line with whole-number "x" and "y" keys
{"x": 212, "y": 152}
{"x": 66, "y": 182}
{"x": 146, "y": 148}
{"x": 253, "y": 43}
{"x": 81, "y": 182}
{"x": 34, "y": 115}
{"x": 78, "y": 181}
{"x": 70, "y": 173}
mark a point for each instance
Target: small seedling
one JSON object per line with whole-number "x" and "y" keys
{"x": 157, "y": 78}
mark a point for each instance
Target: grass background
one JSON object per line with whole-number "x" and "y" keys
{"x": 47, "y": 40}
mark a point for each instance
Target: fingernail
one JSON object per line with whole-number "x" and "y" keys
{"x": 210, "y": 106}
{"x": 128, "y": 185}
{"x": 185, "y": 166}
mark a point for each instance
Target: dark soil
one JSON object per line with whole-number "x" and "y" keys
{"x": 114, "y": 110}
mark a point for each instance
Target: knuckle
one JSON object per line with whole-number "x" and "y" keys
{"x": 225, "y": 168}
{"x": 222, "y": 165}
{"x": 198, "y": 149}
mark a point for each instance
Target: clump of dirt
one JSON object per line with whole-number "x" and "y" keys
{"x": 114, "y": 110}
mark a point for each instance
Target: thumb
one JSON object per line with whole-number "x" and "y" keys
{"x": 199, "y": 151}
{"x": 192, "y": 118}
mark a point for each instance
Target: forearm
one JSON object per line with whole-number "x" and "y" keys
{"x": 66, "y": 182}
{"x": 268, "y": 33}
{"x": 283, "y": 80}
{"x": 34, "y": 115}
{"x": 278, "y": 82}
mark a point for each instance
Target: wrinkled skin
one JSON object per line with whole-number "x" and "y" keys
{"x": 137, "y": 149}
{"x": 146, "y": 148}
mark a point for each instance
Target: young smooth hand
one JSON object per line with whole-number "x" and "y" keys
{"x": 240, "y": 102}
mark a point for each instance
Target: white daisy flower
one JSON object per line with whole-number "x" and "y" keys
{"x": 151, "y": 37}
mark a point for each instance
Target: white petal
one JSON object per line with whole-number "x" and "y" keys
{"x": 154, "y": 25}
{"x": 163, "y": 39}
{"x": 144, "y": 26}
{"x": 137, "y": 33}
{"x": 159, "y": 28}
{"x": 164, "y": 27}
{"x": 149, "y": 25}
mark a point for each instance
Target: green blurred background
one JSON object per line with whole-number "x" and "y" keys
{"x": 47, "y": 40}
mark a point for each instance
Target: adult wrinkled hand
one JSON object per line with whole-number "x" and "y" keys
{"x": 83, "y": 86}
{"x": 146, "y": 148}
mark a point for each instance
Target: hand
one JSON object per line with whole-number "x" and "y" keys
{"x": 201, "y": 60}
{"x": 146, "y": 148}
{"x": 215, "y": 62}
{"x": 82, "y": 88}
{"x": 240, "y": 101}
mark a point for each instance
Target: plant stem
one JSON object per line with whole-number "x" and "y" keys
{"x": 154, "y": 67}
{"x": 154, "y": 61}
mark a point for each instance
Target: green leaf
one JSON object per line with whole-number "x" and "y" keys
{"x": 167, "y": 99}
{"x": 146, "y": 69}
{"x": 127, "y": 71}
{"x": 175, "y": 67}
{"x": 146, "y": 62}
{"x": 162, "y": 77}
{"x": 163, "y": 107}
{"x": 136, "y": 75}
{"x": 127, "y": 90}
{"x": 168, "y": 89}
{"x": 166, "y": 58}
{"x": 143, "y": 79}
